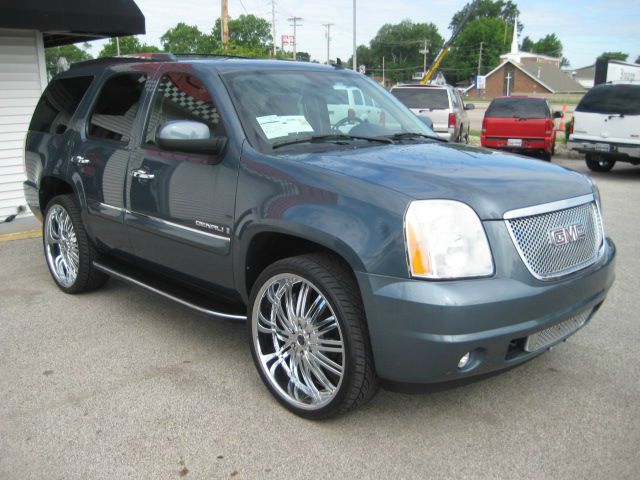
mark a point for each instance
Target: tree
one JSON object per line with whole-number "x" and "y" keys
{"x": 303, "y": 57}
{"x": 527, "y": 45}
{"x": 507, "y": 11}
{"x": 400, "y": 44}
{"x": 127, "y": 45}
{"x": 461, "y": 63}
{"x": 614, "y": 56}
{"x": 185, "y": 38}
{"x": 71, "y": 53}
{"x": 548, "y": 45}
{"x": 247, "y": 31}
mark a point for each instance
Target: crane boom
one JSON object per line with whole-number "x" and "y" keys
{"x": 447, "y": 45}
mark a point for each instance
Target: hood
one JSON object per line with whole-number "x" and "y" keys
{"x": 492, "y": 183}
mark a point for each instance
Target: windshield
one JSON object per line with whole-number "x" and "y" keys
{"x": 334, "y": 108}
{"x": 611, "y": 99}
{"x": 425, "y": 98}
{"x": 518, "y": 108}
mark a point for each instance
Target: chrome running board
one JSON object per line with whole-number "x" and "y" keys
{"x": 128, "y": 278}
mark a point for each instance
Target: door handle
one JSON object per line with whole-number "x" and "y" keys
{"x": 78, "y": 160}
{"x": 142, "y": 174}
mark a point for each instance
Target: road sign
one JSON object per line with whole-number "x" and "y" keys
{"x": 362, "y": 69}
{"x": 481, "y": 82}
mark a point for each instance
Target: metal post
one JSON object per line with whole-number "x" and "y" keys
{"x": 295, "y": 35}
{"x": 328, "y": 33}
{"x": 273, "y": 24}
{"x": 384, "y": 83}
{"x": 355, "y": 59}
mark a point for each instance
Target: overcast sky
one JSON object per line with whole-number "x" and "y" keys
{"x": 586, "y": 28}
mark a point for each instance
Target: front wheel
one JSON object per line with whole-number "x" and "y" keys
{"x": 67, "y": 248}
{"x": 597, "y": 163}
{"x": 309, "y": 338}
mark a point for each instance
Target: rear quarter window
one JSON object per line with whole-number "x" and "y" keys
{"x": 611, "y": 99}
{"x": 58, "y": 103}
{"x": 426, "y": 98}
{"x": 518, "y": 108}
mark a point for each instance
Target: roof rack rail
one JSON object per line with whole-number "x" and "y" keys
{"x": 129, "y": 58}
{"x": 217, "y": 55}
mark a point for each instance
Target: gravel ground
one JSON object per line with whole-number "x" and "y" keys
{"x": 124, "y": 384}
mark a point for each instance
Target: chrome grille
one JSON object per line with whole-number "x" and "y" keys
{"x": 546, "y": 259}
{"x": 550, "y": 335}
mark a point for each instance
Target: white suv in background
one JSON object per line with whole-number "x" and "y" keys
{"x": 442, "y": 104}
{"x": 606, "y": 126}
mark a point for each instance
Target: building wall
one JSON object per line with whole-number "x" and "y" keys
{"x": 22, "y": 80}
{"x": 524, "y": 85}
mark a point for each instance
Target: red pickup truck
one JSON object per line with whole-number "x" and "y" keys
{"x": 520, "y": 124}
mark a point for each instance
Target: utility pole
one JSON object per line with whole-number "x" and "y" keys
{"x": 117, "y": 46}
{"x": 295, "y": 21}
{"x": 273, "y": 24}
{"x": 384, "y": 84}
{"x": 328, "y": 27}
{"x": 224, "y": 24}
{"x": 480, "y": 59}
{"x": 424, "y": 52}
{"x": 355, "y": 60}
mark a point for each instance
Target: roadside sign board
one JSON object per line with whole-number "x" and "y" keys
{"x": 481, "y": 82}
{"x": 362, "y": 69}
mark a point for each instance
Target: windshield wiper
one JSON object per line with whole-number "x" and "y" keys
{"x": 332, "y": 137}
{"x": 403, "y": 135}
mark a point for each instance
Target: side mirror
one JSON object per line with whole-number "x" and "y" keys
{"x": 188, "y": 136}
{"x": 426, "y": 120}
{"x": 469, "y": 106}
{"x": 558, "y": 115}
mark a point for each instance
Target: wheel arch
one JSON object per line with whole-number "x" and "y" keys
{"x": 267, "y": 246}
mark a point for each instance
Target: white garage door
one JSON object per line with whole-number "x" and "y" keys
{"x": 22, "y": 80}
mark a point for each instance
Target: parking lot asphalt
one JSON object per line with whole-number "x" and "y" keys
{"x": 121, "y": 383}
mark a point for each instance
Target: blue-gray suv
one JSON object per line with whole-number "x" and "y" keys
{"x": 358, "y": 246}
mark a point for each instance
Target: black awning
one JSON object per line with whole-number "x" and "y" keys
{"x": 71, "y": 21}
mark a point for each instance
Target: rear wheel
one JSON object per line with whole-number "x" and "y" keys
{"x": 597, "y": 163}
{"x": 309, "y": 338}
{"x": 67, "y": 248}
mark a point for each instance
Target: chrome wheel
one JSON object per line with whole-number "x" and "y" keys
{"x": 298, "y": 341}
{"x": 61, "y": 246}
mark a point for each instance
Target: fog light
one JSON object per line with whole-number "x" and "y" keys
{"x": 464, "y": 361}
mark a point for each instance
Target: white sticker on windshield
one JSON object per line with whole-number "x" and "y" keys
{"x": 275, "y": 126}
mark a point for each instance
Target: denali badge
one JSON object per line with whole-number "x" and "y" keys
{"x": 563, "y": 235}
{"x": 213, "y": 226}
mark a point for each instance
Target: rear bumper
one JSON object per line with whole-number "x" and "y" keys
{"x": 545, "y": 144}
{"x": 448, "y": 135}
{"x": 419, "y": 330}
{"x": 617, "y": 151}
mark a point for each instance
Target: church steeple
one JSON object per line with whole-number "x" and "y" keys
{"x": 514, "y": 43}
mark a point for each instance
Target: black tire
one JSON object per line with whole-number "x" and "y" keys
{"x": 597, "y": 163}
{"x": 87, "y": 278}
{"x": 337, "y": 285}
{"x": 545, "y": 156}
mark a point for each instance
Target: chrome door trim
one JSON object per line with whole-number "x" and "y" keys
{"x": 548, "y": 207}
{"x": 133, "y": 281}
{"x": 177, "y": 225}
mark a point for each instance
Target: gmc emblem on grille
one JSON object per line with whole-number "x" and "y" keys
{"x": 563, "y": 235}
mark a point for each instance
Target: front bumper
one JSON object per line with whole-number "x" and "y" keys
{"x": 615, "y": 151}
{"x": 419, "y": 330}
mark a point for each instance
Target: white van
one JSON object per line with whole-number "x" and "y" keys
{"x": 606, "y": 126}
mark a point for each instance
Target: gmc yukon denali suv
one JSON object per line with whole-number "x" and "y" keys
{"x": 358, "y": 250}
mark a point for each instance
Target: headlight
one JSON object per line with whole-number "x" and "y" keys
{"x": 445, "y": 239}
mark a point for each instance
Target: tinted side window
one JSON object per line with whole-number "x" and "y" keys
{"x": 182, "y": 97}
{"x": 115, "y": 111}
{"x": 437, "y": 99}
{"x": 518, "y": 108}
{"x": 611, "y": 99}
{"x": 58, "y": 104}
